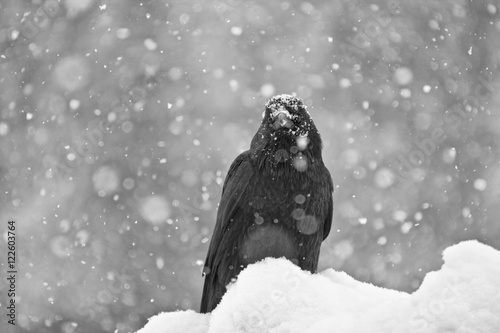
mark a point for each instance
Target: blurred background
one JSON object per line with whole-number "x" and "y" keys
{"x": 119, "y": 120}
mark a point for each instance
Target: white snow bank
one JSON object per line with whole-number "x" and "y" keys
{"x": 276, "y": 296}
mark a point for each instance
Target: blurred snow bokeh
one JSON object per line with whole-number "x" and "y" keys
{"x": 119, "y": 120}
{"x": 276, "y": 296}
{"x": 72, "y": 73}
{"x": 154, "y": 209}
{"x": 106, "y": 180}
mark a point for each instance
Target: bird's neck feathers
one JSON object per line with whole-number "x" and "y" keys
{"x": 279, "y": 155}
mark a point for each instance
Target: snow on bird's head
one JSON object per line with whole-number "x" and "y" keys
{"x": 285, "y": 111}
{"x": 286, "y": 120}
{"x": 285, "y": 102}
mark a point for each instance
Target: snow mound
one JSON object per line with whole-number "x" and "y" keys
{"x": 276, "y": 296}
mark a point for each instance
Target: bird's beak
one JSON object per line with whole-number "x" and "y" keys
{"x": 281, "y": 118}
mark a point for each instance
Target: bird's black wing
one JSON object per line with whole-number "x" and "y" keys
{"x": 329, "y": 215}
{"x": 237, "y": 179}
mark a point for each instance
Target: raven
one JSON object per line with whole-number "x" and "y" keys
{"x": 276, "y": 200}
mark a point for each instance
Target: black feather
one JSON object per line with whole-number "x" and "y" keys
{"x": 276, "y": 200}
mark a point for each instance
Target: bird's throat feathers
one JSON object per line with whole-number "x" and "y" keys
{"x": 280, "y": 154}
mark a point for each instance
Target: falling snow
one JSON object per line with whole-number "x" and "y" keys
{"x": 119, "y": 121}
{"x": 105, "y": 179}
{"x": 72, "y": 73}
{"x": 403, "y": 76}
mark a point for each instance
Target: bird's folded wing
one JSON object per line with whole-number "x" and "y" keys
{"x": 329, "y": 215}
{"x": 239, "y": 175}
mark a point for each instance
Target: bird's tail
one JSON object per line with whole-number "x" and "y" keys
{"x": 210, "y": 296}
{"x": 205, "y": 297}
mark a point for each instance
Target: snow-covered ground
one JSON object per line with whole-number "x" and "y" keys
{"x": 276, "y": 296}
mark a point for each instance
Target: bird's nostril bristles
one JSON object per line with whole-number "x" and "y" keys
{"x": 282, "y": 119}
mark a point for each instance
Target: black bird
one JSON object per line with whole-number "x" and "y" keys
{"x": 276, "y": 200}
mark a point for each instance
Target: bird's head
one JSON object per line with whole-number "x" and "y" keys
{"x": 287, "y": 131}
{"x": 286, "y": 113}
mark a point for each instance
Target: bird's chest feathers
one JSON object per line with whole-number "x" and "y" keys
{"x": 286, "y": 192}
{"x": 288, "y": 199}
